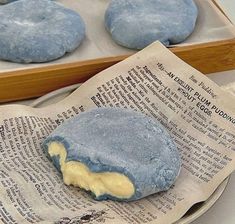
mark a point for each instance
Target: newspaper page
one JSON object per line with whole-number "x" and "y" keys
{"x": 197, "y": 113}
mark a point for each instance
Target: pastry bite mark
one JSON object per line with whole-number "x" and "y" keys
{"x": 78, "y": 174}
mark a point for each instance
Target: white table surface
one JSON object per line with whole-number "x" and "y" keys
{"x": 223, "y": 211}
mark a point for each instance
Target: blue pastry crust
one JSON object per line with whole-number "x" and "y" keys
{"x": 137, "y": 23}
{"x": 124, "y": 141}
{"x": 38, "y": 31}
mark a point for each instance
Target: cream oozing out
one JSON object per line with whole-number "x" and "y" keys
{"x": 78, "y": 174}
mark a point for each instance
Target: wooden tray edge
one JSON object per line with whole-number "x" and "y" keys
{"x": 28, "y": 83}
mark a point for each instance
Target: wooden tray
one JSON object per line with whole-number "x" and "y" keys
{"x": 24, "y": 84}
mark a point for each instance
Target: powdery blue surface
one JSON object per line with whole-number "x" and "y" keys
{"x": 124, "y": 141}
{"x": 38, "y": 31}
{"x": 138, "y": 23}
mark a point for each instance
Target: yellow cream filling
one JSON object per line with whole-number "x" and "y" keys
{"x": 78, "y": 174}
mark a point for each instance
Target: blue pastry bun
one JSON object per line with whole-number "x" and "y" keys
{"x": 38, "y": 31}
{"x": 137, "y": 23}
{"x": 134, "y": 153}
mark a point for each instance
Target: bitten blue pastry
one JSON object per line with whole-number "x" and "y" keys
{"x": 137, "y": 23}
{"x": 115, "y": 153}
{"x": 38, "y": 31}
